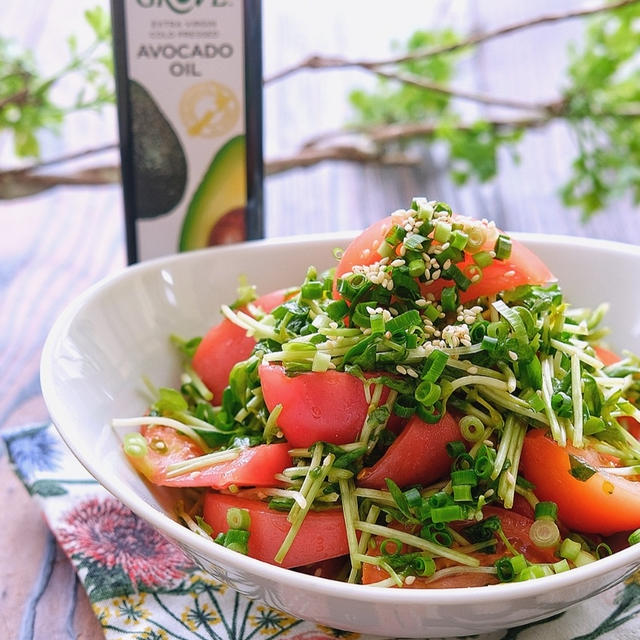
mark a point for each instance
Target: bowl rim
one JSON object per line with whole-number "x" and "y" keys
{"x": 228, "y": 559}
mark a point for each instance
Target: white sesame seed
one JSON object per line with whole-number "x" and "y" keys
{"x": 475, "y": 278}
{"x": 397, "y": 263}
{"x": 445, "y": 246}
{"x": 435, "y": 275}
{"x": 513, "y": 355}
{"x": 390, "y": 285}
{"x": 366, "y": 332}
{"x": 400, "y": 369}
{"x": 387, "y": 335}
{"x": 421, "y": 302}
{"x": 411, "y": 372}
{"x": 393, "y": 311}
{"x": 333, "y": 325}
{"x": 510, "y": 273}
{"x": 370, "y": 310}
{"x": 409, "y": 580}
{"x": 492, "y": 253}
{"x": 472, "y": 370}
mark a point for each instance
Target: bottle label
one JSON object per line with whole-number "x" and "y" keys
{"x": 186, "y": 102}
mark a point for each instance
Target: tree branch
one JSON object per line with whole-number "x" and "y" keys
{"x": 76, "y": 155}
{"x": 326, "y": 62}
{"x": 17, "y": 98}
{"x": 308, "y": 157}
{"x": 464, "y": 94}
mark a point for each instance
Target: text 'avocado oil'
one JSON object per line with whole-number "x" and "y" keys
{"x": 189, "y": 85}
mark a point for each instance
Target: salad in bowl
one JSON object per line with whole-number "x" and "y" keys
{"x": 429, "y": 413}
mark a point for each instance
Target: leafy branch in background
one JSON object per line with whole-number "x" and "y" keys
{"x": 412, "y": 103}
{"x": 26, "y": 103}
{"x": 415, "y": 102}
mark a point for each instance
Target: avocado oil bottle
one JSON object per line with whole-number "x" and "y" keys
{"x": 189, "y": 85}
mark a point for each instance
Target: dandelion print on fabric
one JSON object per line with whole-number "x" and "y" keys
{"x": 121, "y": 553}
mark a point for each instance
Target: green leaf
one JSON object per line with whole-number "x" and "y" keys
{"x": 47, "y": 489}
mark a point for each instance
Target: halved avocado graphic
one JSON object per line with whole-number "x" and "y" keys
{"x": 216, "y": 212}
{"x": 160, "y": 167}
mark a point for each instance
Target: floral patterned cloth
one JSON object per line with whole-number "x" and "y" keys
{"x": 143, "y": 587}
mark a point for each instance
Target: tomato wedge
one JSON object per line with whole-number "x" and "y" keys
{"x": 321, "y": 536}
{"x": 330, "y": 406}
{"x": 254, "y": 467}
{"x": 522, "y": 267}
{"x": 225, "y": 345}
{"x": 605, "y": 503}
{"x": 417, "y": 456}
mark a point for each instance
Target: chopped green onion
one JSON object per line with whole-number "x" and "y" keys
{"x": 483, "y": 259}
{"x": 414, "y": 242}
{"x": 236, "y": 536}
{"x": 396, "y": 235}
{"x": 464, "y": 476}
{"x": 471, "y": 428}
{"x": 396, "y": 549}
{"x": 312, "y": 290}
{"x": 422, "y": 206}
{"x": 455, "y": 448}
{"x": 449, "y": 299}
{"x": 502, "y": 247}
{"x": 442, "y": 231}
{"x": 447, "y": 513}
{"x": 458, "y": 239}
{"x": 454, "y": 273}
{"x": 423, "y": 565}
{"x": 404, "y": 321}
{"x": 634, "y": 537}
{"x": 546, "y": 510}
{"x": 504, "y": 570}
{"x": 431, "y": 311}
{"x": 416, "y": 267}
{"x": 238, "y": 518}
{"x": 544, "y": 533}
{"x": 570, "y": 549}
{"x": 462, "y": 493}
{"x": 561, "y": 566}
{"x": 434, "y": 365}
{"x": 135, "y": 445}
{"x": 337, "y": 310}
{"x": 584, "y": 557}
{"x": 427, "y": 393}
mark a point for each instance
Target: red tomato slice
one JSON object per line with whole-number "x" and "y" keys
{"x": 321, "y": 536}
{"x": 605, "y": 503}
{"x": 225, "y": 345}
{"x": 417, "y": 456}
{"x": 522, "y": 267}
{"x": 254, "y": 467}
{"x": 330, "y": 406}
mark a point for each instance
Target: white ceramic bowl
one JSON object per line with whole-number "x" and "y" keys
{"x": 115, "y": 333}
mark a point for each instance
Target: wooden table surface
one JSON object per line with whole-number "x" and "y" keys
{"x": 55, "y": 245}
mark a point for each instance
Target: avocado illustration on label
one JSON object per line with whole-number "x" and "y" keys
{"x": 216, "y": 212}
{"x": 160, "y": 173}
